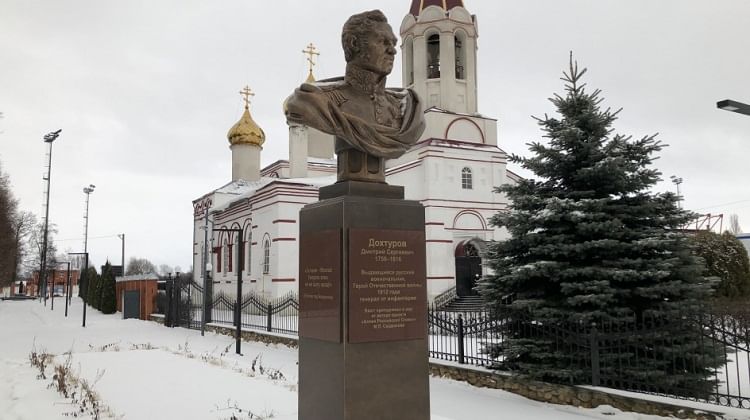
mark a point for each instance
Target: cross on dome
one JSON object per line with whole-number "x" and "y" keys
{"x": 246, "y": 92}
{"x": 246, "y": 131}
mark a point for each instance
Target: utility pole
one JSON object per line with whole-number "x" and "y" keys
{"x": 122, "y": 237}
{"x": 42, "y": 286}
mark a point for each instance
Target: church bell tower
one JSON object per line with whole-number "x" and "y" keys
{"x": 440, "y": 55}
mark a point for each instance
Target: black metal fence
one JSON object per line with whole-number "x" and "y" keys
{"x": 620, "y": 355}
{"x": 463, "y": 337}
{"x": 278, "y": 315}
{"x": 696, "y": 356}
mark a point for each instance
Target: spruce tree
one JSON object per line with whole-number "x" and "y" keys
{"x": 590, "y": 242}
{"x": 108, "y": 294}
{"x": 93, "y": 291}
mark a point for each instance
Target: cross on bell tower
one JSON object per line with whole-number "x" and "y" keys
{"x": 311, "y": 51}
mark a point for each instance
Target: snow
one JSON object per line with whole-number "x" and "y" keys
{"x": 149, "y": 371}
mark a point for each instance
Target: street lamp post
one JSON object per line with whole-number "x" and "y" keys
{"x": 677, "y": 181}
{"x": 238, "y": 305}
{"x": 49, "y": 139}
{"x": 84, "y": 281}
{"x": 87, "y": 190}
{"x": 734, "y": 106}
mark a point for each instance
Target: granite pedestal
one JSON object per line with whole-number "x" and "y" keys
{"x": 363, "y": 306}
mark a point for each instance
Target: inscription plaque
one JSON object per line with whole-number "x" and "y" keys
{"x": 320, "y": 285}
{"x": 387, "y": 285}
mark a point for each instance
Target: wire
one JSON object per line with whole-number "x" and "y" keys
{"x": 90, "y": 238}
{"x": 722, "y": 205}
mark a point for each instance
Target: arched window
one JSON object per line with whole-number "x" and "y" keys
{"x": 230, "y": 258}
{"x": 247, "y": 250}
{"x": 460, "y": 58}
{"x": 467, "y": 182}
{"x": 433, "y": 57}
{"x": 225, "y": 250}
{"x": 266, "y": 255}
{"x": 409, "y": 61}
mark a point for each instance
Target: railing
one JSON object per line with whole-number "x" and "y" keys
{"x": 445, "y": 298}
{"x": 278, "y": 315}
{"x": 619, "y": 354}
{"x": 463, "y": 337}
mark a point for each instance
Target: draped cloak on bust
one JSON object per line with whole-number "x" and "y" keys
{"x": 318, "y": 105}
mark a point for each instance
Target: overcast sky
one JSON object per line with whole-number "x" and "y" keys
{"x": 145, "y": 92}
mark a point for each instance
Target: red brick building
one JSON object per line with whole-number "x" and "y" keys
{"x": 57, "y": 284}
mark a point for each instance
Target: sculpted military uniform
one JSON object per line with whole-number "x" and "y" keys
{"x": 370, "y": 123}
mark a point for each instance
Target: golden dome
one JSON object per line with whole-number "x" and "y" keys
{"x": 246, "y": 131}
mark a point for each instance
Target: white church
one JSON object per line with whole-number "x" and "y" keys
{"x": 452, "y": 171}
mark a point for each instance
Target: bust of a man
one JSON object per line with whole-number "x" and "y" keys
{"x": 370, "y": 123}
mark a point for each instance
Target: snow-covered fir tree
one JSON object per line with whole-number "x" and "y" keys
{"x": 590, "y": 243}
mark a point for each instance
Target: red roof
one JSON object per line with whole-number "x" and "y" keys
{"x": 418, "y": 5}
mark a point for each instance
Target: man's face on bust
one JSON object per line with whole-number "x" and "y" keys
{"x": 378, "y": 54}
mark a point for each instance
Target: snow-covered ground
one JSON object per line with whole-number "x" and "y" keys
{"x": 146, "y": 371}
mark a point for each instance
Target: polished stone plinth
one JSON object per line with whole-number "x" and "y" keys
{"x": 363, "y": 351}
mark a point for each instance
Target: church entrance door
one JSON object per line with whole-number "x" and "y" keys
{"x": 468, "y": 269}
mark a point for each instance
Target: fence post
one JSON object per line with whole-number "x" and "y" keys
{"x": 177, "y": 298}
{"x": 595, "y": 367}
{"x": 461, "y": 356}
{"x": 270, "y": 313}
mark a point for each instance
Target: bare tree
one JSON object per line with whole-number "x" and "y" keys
{"x": 23, "y": 228}
{"x": 32, "y": 262}
{"x": 138, "y": 266}
{"x": 165, "y": 269}
{"x": 734, "y": 225}
{"x": 8, "y": 250}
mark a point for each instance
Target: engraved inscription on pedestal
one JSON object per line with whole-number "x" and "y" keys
{"x": 320, "y": 285}
{"x": 387, "y": 285}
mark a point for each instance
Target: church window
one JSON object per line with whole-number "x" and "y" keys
{"x": 467, "y": 181}
{"x": 470, "y": 250}
{"x": 460, "y": 58}
{"x": 266, "y": 256}
{"x": 230, "y": 264}
{"x": 217, "y": 251}
{"x": 408, "y": 49}
{"x": 433, "y": 57}
{"x": 248, "y": 250}
{"x": 225, "y": 261}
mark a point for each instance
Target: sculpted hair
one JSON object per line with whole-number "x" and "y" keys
{"x": 354, "y": 36}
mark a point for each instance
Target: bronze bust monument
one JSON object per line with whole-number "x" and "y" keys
{"x": 370, "y": 123}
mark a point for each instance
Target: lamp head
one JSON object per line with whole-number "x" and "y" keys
{"x": 50, "y": 137}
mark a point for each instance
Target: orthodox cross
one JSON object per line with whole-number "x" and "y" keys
{"x": 311, "y": 51}
{"x": 247, "y": 93}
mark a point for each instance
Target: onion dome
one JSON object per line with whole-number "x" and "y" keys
{"x": 246, "y": 131}
{"x": 418, "y": 5}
